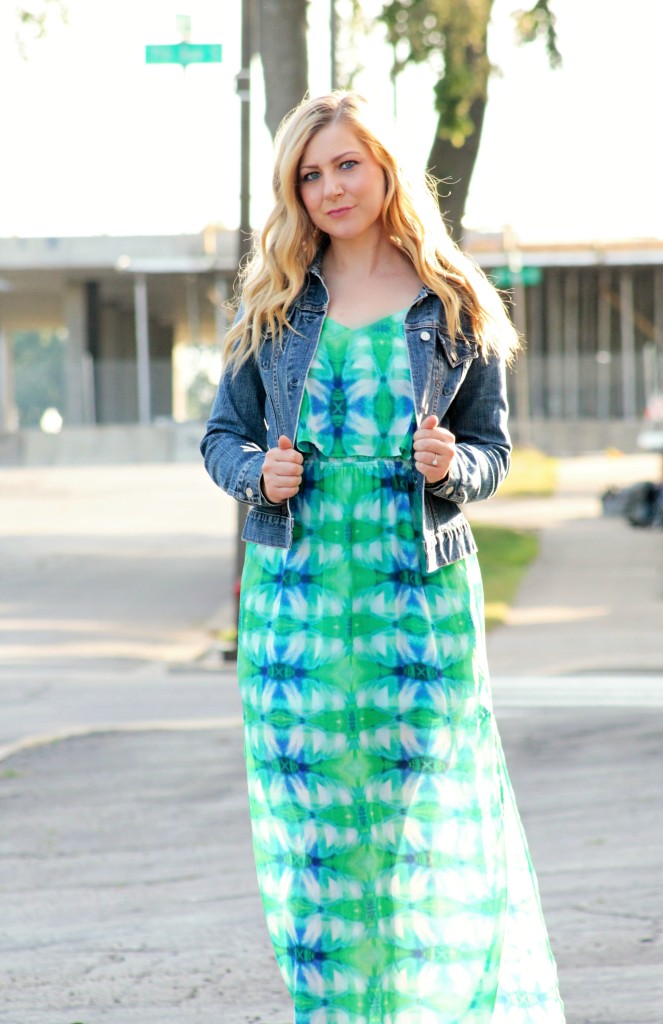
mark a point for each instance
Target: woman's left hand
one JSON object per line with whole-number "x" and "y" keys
{"x": 434, "y": 450}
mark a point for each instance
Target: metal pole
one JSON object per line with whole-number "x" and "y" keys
{"x": 142, "y": 348}
{"x": 244, "y": 92}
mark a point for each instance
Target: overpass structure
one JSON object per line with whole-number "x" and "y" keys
{"x": 592, "y": 316}
{"x": 123, "y": 305}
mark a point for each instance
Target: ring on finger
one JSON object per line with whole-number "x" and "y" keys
{"x": 435, "y": 460}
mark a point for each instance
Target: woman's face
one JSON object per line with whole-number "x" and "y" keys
{"x": 341, "y": 184}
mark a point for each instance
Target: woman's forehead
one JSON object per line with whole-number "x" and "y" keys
{"x": 330, "y": 142}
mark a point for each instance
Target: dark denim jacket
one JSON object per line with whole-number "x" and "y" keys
{"x": 449, "y": 378}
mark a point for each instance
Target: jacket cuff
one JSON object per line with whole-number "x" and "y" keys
{"x": 247, "y": 487}
{"x": 450, "y": 488}
{"x": 264, "y": 500}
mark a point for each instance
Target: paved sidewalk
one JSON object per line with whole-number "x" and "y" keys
{"x": 592, "y": 603}
{"x": 127, "y": 887}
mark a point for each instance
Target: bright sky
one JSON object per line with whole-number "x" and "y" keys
{"x": 96, "y": 141}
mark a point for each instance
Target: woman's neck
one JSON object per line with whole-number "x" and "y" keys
{"x": 369, "y": 255}
{"x": 367, "y": 279}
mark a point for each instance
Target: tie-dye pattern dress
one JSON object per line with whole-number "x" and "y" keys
{"x": 391, "y": 861}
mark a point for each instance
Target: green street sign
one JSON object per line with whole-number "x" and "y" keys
{"x": 184, "y": 54}
{"x": 503, "y": 277}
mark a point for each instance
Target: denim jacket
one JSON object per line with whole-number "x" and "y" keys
{"x": 449, "y": 378}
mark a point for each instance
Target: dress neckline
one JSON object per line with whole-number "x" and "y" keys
{"x": 372, "y": 323}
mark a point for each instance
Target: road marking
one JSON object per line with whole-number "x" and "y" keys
{"x": 611, "y": 691}
{"x": 606, "y": 691}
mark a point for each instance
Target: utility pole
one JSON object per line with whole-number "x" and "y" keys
{"x": 243, "y": 85}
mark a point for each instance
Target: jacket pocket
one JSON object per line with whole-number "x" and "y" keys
{"x": 461, "y": 349}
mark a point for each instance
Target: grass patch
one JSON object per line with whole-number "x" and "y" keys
{"x": 504, "y": 555}
{"x": 532, "y": 475}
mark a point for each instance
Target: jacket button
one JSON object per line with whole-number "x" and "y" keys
{"x": 249, "y": 492}
{"x": 425, "y": 335}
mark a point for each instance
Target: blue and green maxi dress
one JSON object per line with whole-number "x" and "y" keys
{"x": 393, "y": 869}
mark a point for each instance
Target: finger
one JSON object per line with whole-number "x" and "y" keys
{"x": 286, "y": 449}
{"x": 437, "y": 434}
{"x": 431, "y": 446}
{"x": 288, "y": 457}
{"x": 429, "y": 422}
{"x": 281, "y": 493}
{"x": 285, "y": 471}
{"x": 283, "y": 457}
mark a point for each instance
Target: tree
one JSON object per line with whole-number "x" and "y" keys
{"x": 34, "y": 19}
{"x": 282, "y": 45}
{"x": 452, "y": 36}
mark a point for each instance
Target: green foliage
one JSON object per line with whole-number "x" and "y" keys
{"x": 539, "y": 22}
{"x": 504, "y": 556}
{"x": 452, "y": 37}
{"x": 39, "y": 374}
{"x": 34, "y": 19}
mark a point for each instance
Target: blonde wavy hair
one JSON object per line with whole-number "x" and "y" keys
{"x": 277, "y": 268}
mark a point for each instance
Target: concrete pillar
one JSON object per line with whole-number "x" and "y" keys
{"x": 535, "y": 351}
{"x": 571, "y": 362}
{"x": 587, "y": 343}
{"x": 627, "y": 337}
{"x": 521, "y": 383}
{"x": 142, "y": 348}
{"x": 193, "y": 309}
{"x": 555, "y": 374}
{"x": 658, "y": 328}
{"x": 79, "y": 401}
{"x": 220, "y": 316}
{"x": 603, "y": 346}
{"x": 8, "y": 411}
{"x": 161, "y": 369}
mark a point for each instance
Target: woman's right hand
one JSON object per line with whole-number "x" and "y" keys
{"x": 282, "y": 471}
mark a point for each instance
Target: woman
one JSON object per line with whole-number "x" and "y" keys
{"x": 362, "y": 401}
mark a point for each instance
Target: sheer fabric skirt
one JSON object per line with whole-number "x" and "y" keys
{"x": 393, "y": 869}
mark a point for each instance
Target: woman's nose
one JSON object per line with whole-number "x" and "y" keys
{"x": 333, "y": 186}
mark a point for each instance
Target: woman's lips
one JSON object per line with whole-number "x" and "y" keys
{"x": 339, "y": 212}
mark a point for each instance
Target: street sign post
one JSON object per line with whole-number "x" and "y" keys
{"x": 184, "y": 53}
{"x": 504, "y": 277}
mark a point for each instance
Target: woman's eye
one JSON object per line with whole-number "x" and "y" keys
{"x": 348, "y": 164}
{"x": 310, "y": 176}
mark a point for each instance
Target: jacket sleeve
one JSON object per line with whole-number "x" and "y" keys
{"x": 478, "y": 419}
{"x": 235, "y": 440}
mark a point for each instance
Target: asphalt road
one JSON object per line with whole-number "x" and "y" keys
{"x": 127, "y": 887}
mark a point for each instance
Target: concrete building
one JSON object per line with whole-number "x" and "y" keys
{"x": 592, "y": 316}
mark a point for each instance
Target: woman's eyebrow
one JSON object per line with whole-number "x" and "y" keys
{"x": 335, "y": 158}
